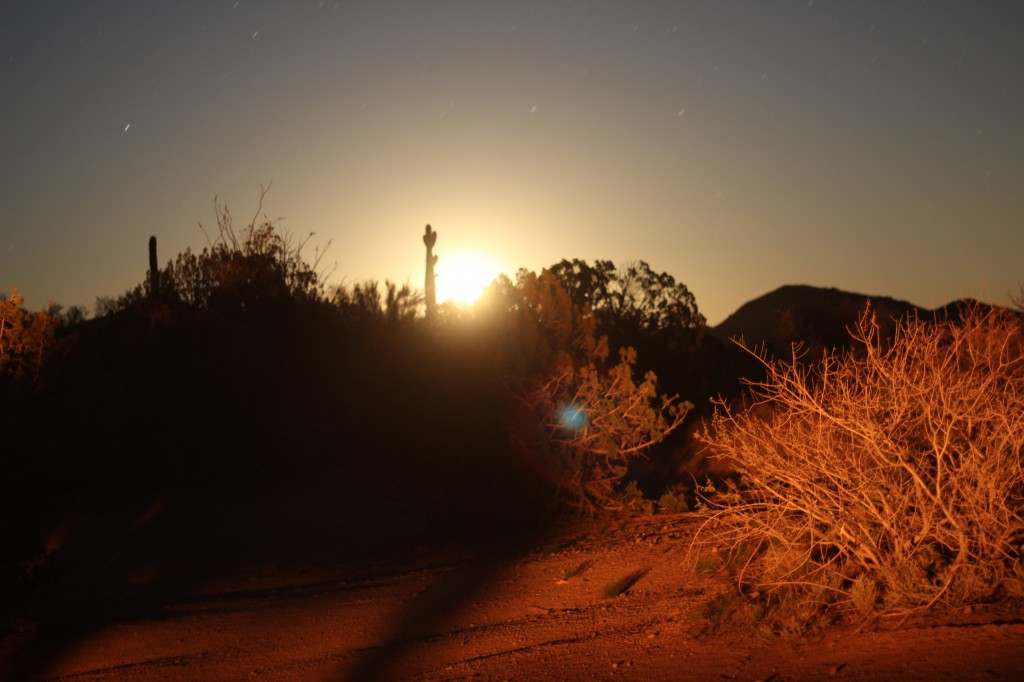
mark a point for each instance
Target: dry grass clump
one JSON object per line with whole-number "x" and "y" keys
{"x": 885, "y": 480}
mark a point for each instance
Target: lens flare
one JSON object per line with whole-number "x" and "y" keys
{"x": 572, "y": 417}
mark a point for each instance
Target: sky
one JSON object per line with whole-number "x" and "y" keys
{"x": 876, "y": 147}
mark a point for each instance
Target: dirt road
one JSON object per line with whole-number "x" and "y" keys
{"x": 539, "y": 613}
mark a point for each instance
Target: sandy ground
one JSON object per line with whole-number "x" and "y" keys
{"x": 445, "y": 614}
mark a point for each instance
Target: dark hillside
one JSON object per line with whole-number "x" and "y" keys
{"x": 817, "y": 317}
{"x": 955, "y": 311}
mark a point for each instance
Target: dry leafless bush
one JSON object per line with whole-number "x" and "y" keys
{"x": 885, "y": 480}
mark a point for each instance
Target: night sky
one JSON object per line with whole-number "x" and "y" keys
{"x": 876, "y": 147}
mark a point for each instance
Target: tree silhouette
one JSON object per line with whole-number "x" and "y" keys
{"x": 634, "y": 306}
{"x": 581, "y": 421}
{"x": 632, "y": 299}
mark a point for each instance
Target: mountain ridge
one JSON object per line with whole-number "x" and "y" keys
{"x": 819, "y": 317}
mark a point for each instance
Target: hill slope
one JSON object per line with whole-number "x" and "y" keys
{"x": 814, "y": 316}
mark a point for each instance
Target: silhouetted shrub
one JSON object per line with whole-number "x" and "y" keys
{"x": 363, "y": 304}
{"x": 258, "y": 266}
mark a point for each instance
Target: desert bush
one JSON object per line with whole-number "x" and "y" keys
{"x": 25, "y": 337}
{"x": 364, "y": 304}
{"x": 884, "y": 480}
{"x": 532, "y": 328}
{"x": 580, "y": 420}
{"x": 597, "y": 422}
{"x": 245, "y": 269}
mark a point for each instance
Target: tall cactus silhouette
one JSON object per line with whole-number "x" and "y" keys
{"x": 154, "y": 272}
{"x": 429, "y": 290}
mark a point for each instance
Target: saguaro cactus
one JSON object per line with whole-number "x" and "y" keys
{"x": 154, "y": 271}
{"x": 429, "y": 291}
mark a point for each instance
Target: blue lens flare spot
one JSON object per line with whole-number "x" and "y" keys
{"x": 572, "y": 417}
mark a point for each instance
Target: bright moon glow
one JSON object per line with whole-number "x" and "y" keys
{"x": 462, "y": 277}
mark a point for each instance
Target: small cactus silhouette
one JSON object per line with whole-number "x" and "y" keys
{"x": 154, "y": 271}
{"x": 429, "y": 290}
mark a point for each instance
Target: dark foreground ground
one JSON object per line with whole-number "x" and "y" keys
{"x": 303, "y": 605}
